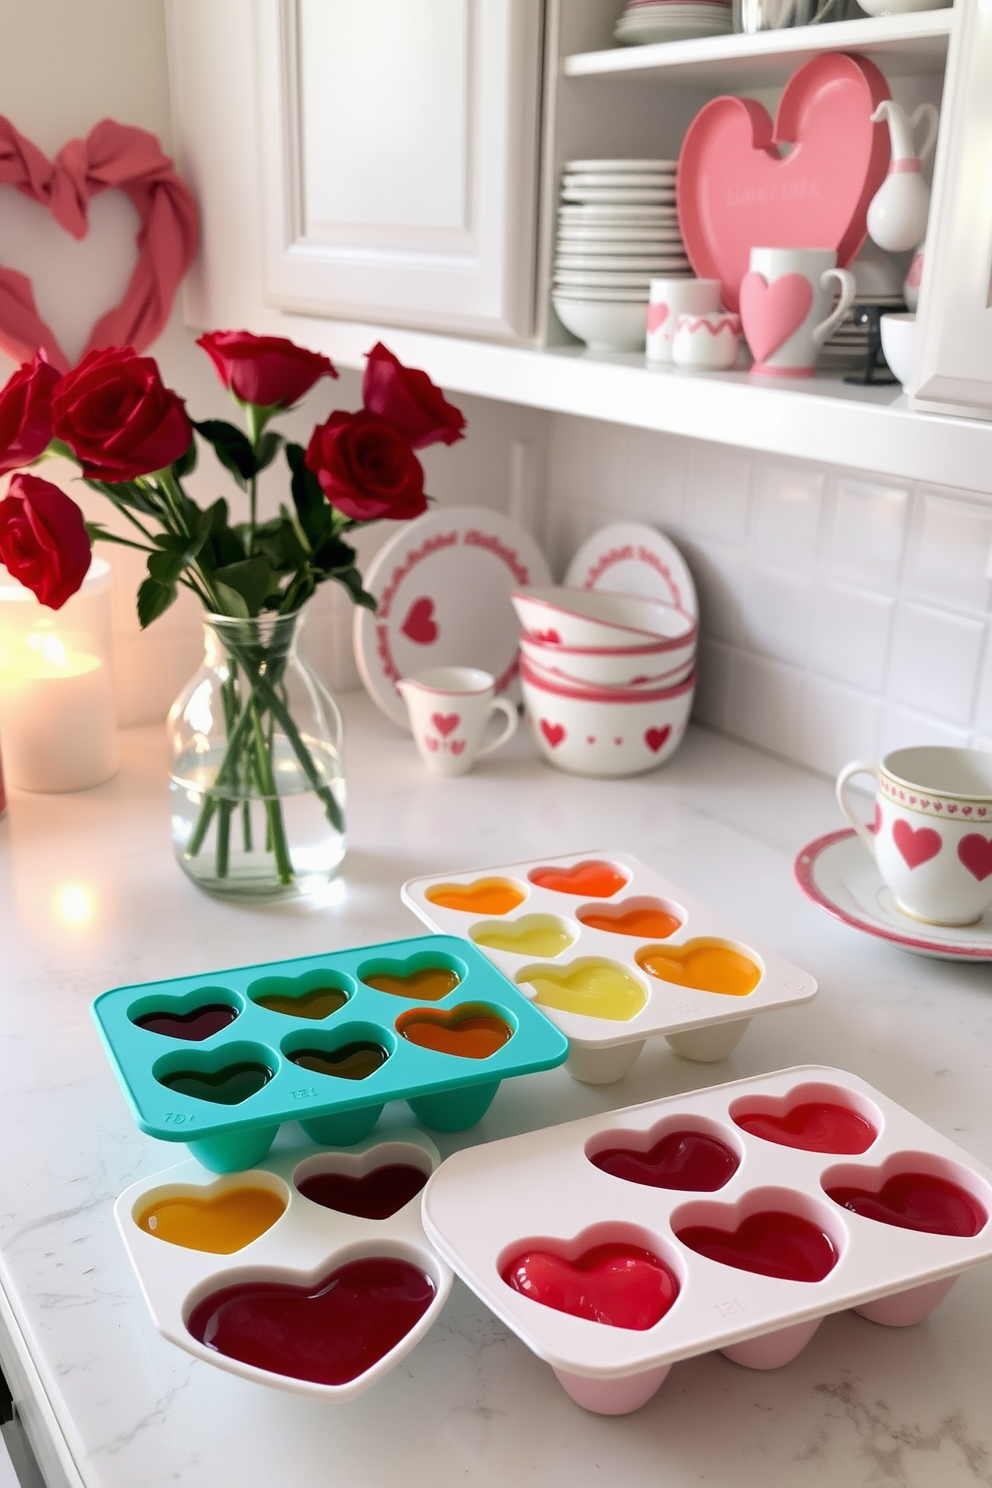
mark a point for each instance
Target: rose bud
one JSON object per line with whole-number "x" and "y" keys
{"x": 43, "y": 539}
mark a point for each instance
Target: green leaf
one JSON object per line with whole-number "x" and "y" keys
{"x": 96, "y": 532}
{"x": 186, "y": 463}
{"x": 153, "y": 600}
{"x": 128, "y": 494}
{"x": 232, "y": 448}
{"x": 268, "y": 447}
{"x": 333, "y": 555}
{"x": 165, "y": 568}
{"x": 230, "y": 602}
{"x": 352, "y": 581}
{"x": 312, "y": 507}
{"x": 251, "y": 579}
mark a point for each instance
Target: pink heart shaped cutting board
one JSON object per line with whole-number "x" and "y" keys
{"x": 737, "y": 192}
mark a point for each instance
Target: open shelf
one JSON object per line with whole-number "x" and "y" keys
{"x": 901, "y": 45}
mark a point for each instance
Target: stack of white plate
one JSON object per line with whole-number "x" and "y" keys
{"x": 672, "y": 20}
{"x": 617, "y": 230}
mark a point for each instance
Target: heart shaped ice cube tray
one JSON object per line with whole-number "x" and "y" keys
{"x": 323, "y": 1040}
{"x": 883, "y": 1222}
{"x": 613, "y": 954}
{"x": 168, "y": 1220}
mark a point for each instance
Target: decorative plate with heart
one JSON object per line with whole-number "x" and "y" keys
{"x": 311, "y": 1273}
{"x": 733, "y": 1218}
{"x": 443, "y": 584}
{"x": 322, "y": 1040}
{"x": 839, "y": 875}
{"x": 631, "y": 558}
{"x": 613, "y": 954}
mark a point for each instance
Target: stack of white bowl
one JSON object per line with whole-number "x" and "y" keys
{"x": 617, "y": 230}
{"x": 608, "y": 679}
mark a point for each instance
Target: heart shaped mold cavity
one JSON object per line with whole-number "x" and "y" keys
{"x": 913, "y": 1191}
{"x": 771, "y": 1232}
{"x": 220, "y": 1220}
{"x": 373, "y": 1185}
{"x": 591, "y": 879}
{"x": 531, "y": 935}
{"x": 815, "y": 1118}
{"x": 427, "y": 976}
{"x": 352, "y": 1053}
{"x": 316, "y": 994}
{"x": 703, "y": 965}
{"x": 486, "y": 896}
{"x": 224, "y": 1077}
{"x": 693, "y": 1156}
{"x": 193, "y": 1018}
{"x": 647, "y": 919}
{"x": 593, "y": 987}
{"x": 621, "y": 1281}
{"x": 471, "y": 1031}
{"x": 328, "y": 1331}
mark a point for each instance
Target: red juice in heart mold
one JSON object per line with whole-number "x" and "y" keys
{"x": 770, "y": 1244}
{"x": 375, "y": 1195}
{"x": 329, "y": 1331}
{"x": 623, "y": 1286}
{"x": 202, "y": 1023}
{"x": 592, "y": 879}
{"x": 917, "y": 1201}
{"x": 687, "y": 1160}
{"x": 815, "y": 1126}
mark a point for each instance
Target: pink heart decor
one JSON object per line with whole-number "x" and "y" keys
{"x": 111, "y": 157}
{"x": 657, "y": 315}
{"x": 770, "y": 313}
{"x": 553, "y": 732}
{"x": 917, "y": 846}
{"x": 445, "y": 723}
{"x": 975, "y": 852}
{"x": 736, "y": 191}
{"x": 655, "y": 738}
{"x": 420, "y": 625}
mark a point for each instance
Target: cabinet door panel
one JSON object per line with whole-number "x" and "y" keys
{"x": 399, "y": 159}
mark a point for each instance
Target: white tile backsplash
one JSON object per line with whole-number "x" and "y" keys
{"x": 851, "y": 633}
{"x": 868, "y": 529}
{"x": 949, "y": 550}
{"x": 787, "y": 510}
{"x": 935, "y": 661}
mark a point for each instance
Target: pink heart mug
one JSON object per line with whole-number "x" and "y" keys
{"x": 449, "y": 709}
{"x": 787, "y": 309}
{"x": 932, "y": 831}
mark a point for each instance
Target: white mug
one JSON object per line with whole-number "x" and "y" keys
{"x": 932, "y": 831}
{"x": 707, "y": 343}
{"x": 449, "y": 710}
{"x": 667, "y": 300}
{"x": 785, "y": 302}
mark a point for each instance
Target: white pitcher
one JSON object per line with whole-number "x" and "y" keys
{"x": 897, "y": 213}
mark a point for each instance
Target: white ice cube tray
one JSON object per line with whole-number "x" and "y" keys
{"x": 303, "y": 1245}
{"x": 487, "y": 1205}
{"x": 698, "y": 1024}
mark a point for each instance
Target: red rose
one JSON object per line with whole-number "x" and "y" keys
{"x": 268, "y": 370}
{"x": 118, "y": 418}
{"x": 26, "y": 413}
{"x": 43, "y": 539}
{"x": 408, "y": 399}
{"x": 366, "y": 468}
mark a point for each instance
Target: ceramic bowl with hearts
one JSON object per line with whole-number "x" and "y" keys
{"x": 639, "y": 667}
{"x": 599, "y": 620}
{"x": 310, "y": 1273}
{"x": 613, "y": 954}
{"x": 221, "y": 1061}
{"x": 603, "y": 731}
{"x": 733, "y": 1218}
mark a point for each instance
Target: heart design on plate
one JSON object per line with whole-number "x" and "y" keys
{"x": 472, "y": 1031}
{"x": 657, "y": 315}
{"x": 654, "y": 738}
{"x": 420, "y": 625}
{"x": 593, "y": 877}
{"x": 354, "y": 1061}
{"x": 975, "y": 852}
{"x": 228, "y": 1086}
{"x": 771, "y": 313}
{"x": 488, "y": 896}
{"x": 647, "y": 919}
{"x": 811, "y": 1125}
{"x": 917, "y": 846}
{"x": 219, "y": 1223}
{"x": 445, "y": 723}
{"x": 736, "y": 191}
{"x": 194, "y": 1026}
{"x": 378, "y": 1194}
{"x": 702, "y": 965}
{"x": 553, "y": 732}
{"x": 770, "y": 1243}
{"x": 914, "y": 1201}
{"x": 413, "y": 980}
{"x": 691, "y": 1161}
{"x": 111, "y": 157}
{"x": 622, "y": 1286}
{"x": 328, "y": 1331}
{"x": 594, "y": 989}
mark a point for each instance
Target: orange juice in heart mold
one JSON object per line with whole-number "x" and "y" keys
{"x": 220, "y": 1224}
{"x": 703, "y": 966}
{"x": 488, "y": 896}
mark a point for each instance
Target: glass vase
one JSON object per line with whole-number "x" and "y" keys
{"x": 256, "y": 782}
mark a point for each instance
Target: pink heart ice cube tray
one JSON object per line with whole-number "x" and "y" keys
{"x": 831, "y": 1197}
{"x": 613, "y": 954}
{"x": 304, "y": 1245}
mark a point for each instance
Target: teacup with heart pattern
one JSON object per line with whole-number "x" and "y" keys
{"x": 667, "y": 300}
{"x": 450, "y": 710}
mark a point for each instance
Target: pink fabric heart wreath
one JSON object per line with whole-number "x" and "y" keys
{"x": 112, "y": 157}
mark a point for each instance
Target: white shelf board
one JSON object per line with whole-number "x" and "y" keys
{"x": 899, "y": 44}
{"x": 824, "y": 419}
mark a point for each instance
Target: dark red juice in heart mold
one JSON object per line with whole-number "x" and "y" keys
{"x": 815, "y": 1126}
{"x": 592, "y": 879}
{"x": 770, "y": 1244}
{"x": 226, "y": 1087}
{"x": 330, "y": 1331}
{"x": 202, "y": 1023}
{"x": 375, "y": 1195}
{"x": 916, "y": 1201}
{"x": 349, "y": 1062}
{"x": 623, "y": 1286}
{"x": 688, "y": 1160}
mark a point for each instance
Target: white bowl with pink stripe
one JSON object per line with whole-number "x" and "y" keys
{"x": 597, "y": 620}
{"x": 645, "y": 666}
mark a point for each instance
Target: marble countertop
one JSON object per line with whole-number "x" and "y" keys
{"x": 90, "y": 897}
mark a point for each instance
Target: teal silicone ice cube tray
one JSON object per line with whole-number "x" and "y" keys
{"x": 220, "y": 1061}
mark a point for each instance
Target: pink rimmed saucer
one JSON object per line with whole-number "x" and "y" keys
{"x": 837, "y": 873}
